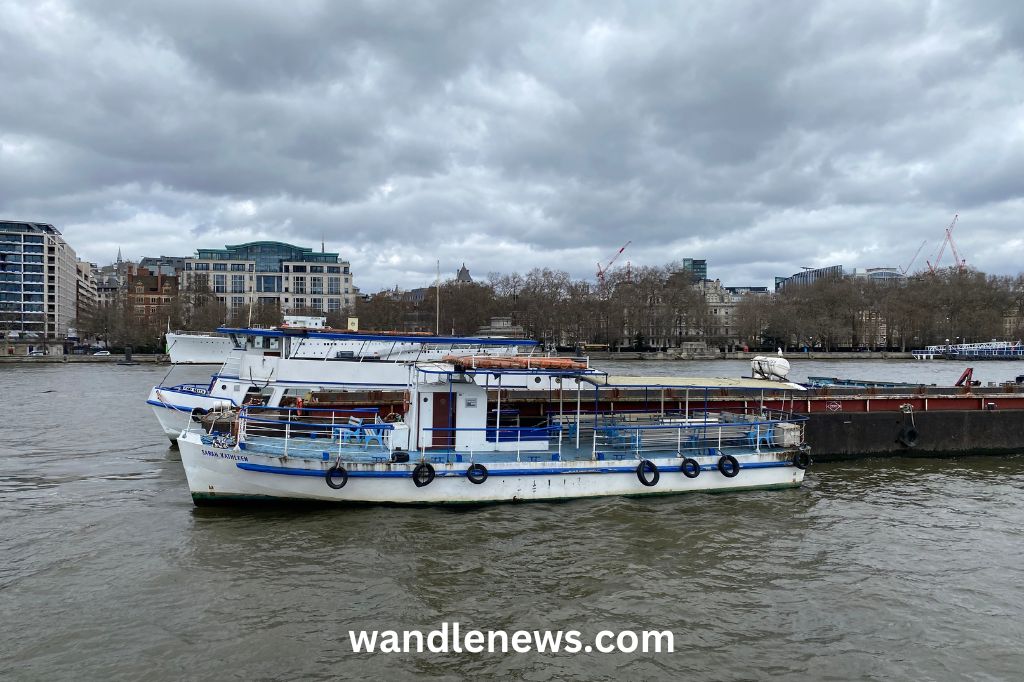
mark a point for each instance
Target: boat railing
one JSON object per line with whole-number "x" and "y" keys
{"x": 232, "y": 363}
{"x": 700, "y": 433}
{"x": 346, "y": 434}
{"x": 629, "y": 435}
{"x": 526, "y": 439}
{"x": 655, "y": 415}
{"x": 982, "y": 349}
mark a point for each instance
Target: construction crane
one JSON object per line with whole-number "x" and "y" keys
{"x": 602, "y": 270}
{"x": 916, "y": 254}
{"x": 961, "y": 264}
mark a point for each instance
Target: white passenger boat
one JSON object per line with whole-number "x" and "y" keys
{"x": 212, "y": 348}
{"x": 452, "y": 441}
{"x": 190, "y": 348}
{"x": 988, "y": 350}
{"x": 270, "y": 365}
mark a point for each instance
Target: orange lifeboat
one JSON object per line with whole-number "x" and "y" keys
{"x": 493, "y": 362}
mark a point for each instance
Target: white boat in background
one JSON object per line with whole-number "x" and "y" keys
{"x": 988, "y": 350}
{"x": 272, "y": 365}
{"x": 453, "y": 441}
{"x": 187, "y": 348}
{"x": 212, "y": 348}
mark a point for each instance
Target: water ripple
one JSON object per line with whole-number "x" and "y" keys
{"x": 880, "y": 569}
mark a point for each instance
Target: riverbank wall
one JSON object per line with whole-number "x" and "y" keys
{"x": 154, "y": 358}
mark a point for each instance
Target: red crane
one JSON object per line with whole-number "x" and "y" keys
{"x": 961, "y": 264}
{"x": 602, "y": 270}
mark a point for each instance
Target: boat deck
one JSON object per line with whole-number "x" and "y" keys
{"x": 566, "y": 451}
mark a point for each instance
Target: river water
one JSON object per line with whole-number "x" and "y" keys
{"x": 879, "y": 569}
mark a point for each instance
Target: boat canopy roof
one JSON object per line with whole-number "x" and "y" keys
{"x": 603, "y": 379}
{"x": 703, "y": 382}
{"x": 378, "y": 336}
{"x": 450, "y": 369}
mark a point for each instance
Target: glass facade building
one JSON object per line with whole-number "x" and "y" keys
{"x": 836, "y": 272}
{"x": 273, "y": 273}
{"x": 697, "y": 266}
{"x": 38, "y": 281}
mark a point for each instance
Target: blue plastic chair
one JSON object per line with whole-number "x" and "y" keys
{"x": 373, "y": 434}
{"x": 351, "y": 432}
{"x": 766, "y": 434}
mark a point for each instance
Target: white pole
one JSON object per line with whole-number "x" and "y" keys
{"x": 437, "y": 325}
{"x": 579, "y": 416}
{"x": 287, "y": 432}
{"x": 497, "y": 419}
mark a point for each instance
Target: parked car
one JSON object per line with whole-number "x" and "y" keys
{"x": 102, "y": 352}
{"x": 37, "y": 353}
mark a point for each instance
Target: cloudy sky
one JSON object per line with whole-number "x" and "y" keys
{"x": 762, "y": 136}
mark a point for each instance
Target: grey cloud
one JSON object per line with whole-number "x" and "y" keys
{"x": 760, "y": 136}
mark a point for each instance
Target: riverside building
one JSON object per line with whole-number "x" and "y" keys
{"x": 293, "y": 278}
{"x": 38, "y": 281}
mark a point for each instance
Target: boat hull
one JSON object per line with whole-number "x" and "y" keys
{"x": 173, "y": 408}
{"x": 229, "y": 474}
{"x": 197, "y": 349}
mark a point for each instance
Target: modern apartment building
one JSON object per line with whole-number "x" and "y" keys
{"x": 38, "y": 281}
{"x": 86, "y": 295}
{"x": 294, "y": 278}
{"x": 698, "y": 267}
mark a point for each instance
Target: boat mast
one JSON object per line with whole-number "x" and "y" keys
{"x": 437, "y": 323}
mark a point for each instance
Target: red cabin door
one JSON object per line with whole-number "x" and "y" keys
{"x": 444, "y": 418}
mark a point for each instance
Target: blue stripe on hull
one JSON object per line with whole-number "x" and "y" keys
{"x": 288, "y": 471}
{"x": 169, "y": 406}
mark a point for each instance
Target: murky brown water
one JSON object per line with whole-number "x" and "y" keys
{"x": 894, "y": 569}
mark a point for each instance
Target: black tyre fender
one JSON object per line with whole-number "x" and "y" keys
{"x": 908, "y": 436}
{"x": 801, "y": 460}
{"x": 690, "y": 468}
{"x": 423, "y": 474}
{"x": 330, "y": 477}
{"x": 476, "y": 473}
{"x": 728, "y": 465}
{"x": 646, "y": 467}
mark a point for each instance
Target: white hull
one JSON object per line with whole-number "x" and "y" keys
{"x": 174, "y": 408}
{"x": 198, "y": 349}
{"x": 224, "y": 474}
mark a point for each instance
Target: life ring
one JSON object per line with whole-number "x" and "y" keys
{"x": 336, "y": 468}
{"x": 908, "y": 436}
{"x": 801, "y": 460}
{"x": 645, "y": 467}
{"x": 476, "y": 473}
{"x": 423, "y": 474}
{"x": 690, "y": 468}
{"x": 728, "y": 465}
